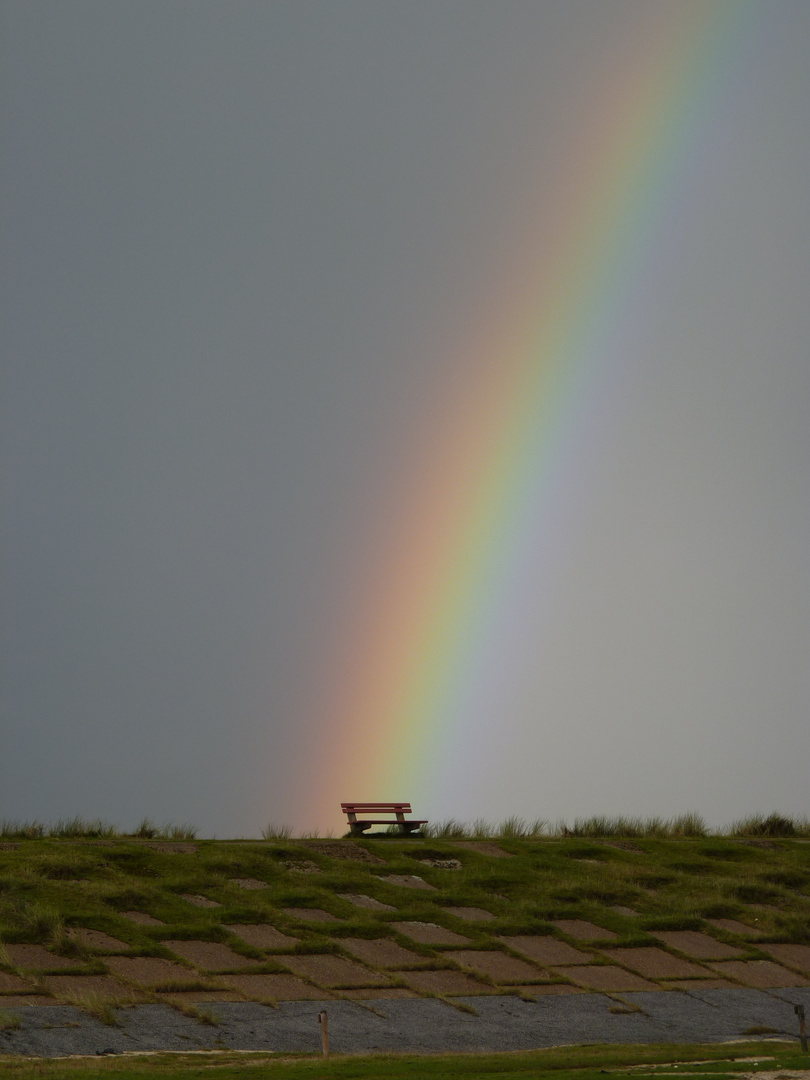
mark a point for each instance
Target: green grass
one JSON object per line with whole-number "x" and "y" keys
{"x": 50, "y": 885}
{"x": 53, "y": 885}
{"x": 580, "y": 1063}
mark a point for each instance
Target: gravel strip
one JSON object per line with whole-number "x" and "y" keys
{"x": 498, "y": 1022}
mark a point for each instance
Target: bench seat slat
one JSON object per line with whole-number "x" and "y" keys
{"x": 388, "y": 821}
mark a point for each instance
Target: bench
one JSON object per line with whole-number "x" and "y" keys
{"x": 398, "y": 809}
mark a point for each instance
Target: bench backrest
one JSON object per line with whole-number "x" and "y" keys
{"x": 378, "y": 807}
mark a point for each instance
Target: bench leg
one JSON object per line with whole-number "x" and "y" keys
{"x": 357, "y": 828}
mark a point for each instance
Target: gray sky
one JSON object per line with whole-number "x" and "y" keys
{"x": 243, "y": 245}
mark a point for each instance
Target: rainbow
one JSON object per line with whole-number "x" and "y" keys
{"x": 433, "y": 657}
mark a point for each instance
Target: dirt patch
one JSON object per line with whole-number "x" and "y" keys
{"x": 200, "y": 901}
{"x": 628, "y": 912}
{"x": 697, "y": 945}
{"x": 442, "y": 864}
{"x": 623, "y": 845}
{"x": 497, "y": 966}
{"x": 209, "y": 955}
{"x": 98, "y": 941}
{"x": 383, "y": 953}
{"x": 334, "y": 971}
{"x": 274, "y": 988}
{"x": 142, "y": 919}
{"x": 484, "y": 847}
{"x": 262, "y": 936}
{"x": 762, "y": 974}
{"x": 310, "y": 914}
{"x": 583, "y": 930}
{"x": 248, "y": 883}
{"x": 655, "y": 963}
{"x": 363, "y": 901}
{"x": 471, "y": 914}
{"x": 450, "y": 983}
{"x": 302, "y": 866}
{"x": 407, "y": 881}
{"x": 430, "y": 934}
{"x": 605, "y": 978}
{"x": 343, "y": 849}
{"x": 546, "y": 950}
{"x": 9, "y": 847}
{"x": 37, "y": 958}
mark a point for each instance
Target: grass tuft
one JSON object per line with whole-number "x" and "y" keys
{"x": 277, "y": 832}
{"x": 22, "y": 830}
{"x": 635, "y": 828}
{"x": 96, "y": 1005}
{"x": 194, "y": 1012}
{"x": 774, "y": 825}
{"x": 149, "y": 830}
{"x": 41, "y": 922}
{"x": 451, "y": 829}
{"x": 77, "y": 827}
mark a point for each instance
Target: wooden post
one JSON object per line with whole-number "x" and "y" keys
{"x": 323, "y": 1020}
{"x": 799, "y": 1010}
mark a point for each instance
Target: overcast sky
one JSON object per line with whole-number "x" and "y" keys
{"x": 242, "y": 246}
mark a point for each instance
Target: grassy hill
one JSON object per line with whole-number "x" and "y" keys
{"x": 107, "y": 921}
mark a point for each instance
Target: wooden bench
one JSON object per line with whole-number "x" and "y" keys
{"x": 398, "y": 809}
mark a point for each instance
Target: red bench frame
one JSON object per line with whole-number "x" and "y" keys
{"x": 398, "y": 809}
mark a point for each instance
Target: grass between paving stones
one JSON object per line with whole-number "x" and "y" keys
{"x": 565, "y": 1063}
{"x": 52, "y": 885}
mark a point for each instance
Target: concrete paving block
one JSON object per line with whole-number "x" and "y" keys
{"x": 382, "y": 952}
{"x": 446, "y": 983}
{"x": 262, "y": 935}
{"x": 310, "y": 914}
{"x": 794, "y": 956}
{"x": 471, "y": 914}
{"x": 331, "y": 971}
{"x": 430, "y": 933}
{"x": 546, "y": 950}
{"x": 209, "y": 955}
{"x": 497, "y": 965}
{"x": 274, "y": 987}
{"x": 762, "y": 974}
{"x": 697, "y": 945}
{"x": 150, "y": 971}
{"x": 363, "y": 901}
{"x": 142, "y": 919}
{"x": 98, "y": 941}
{"x": 654, "y": 963}
{"x": 583, "y": 930}
{"x": 38, "y": 958}
{"x": 606, "y": 977}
